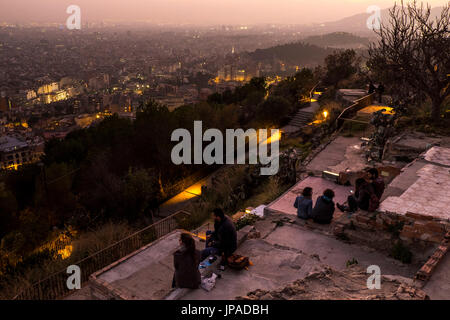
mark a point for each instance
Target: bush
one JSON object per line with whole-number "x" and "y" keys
{"x": 246, "y": 220}
{"x": 401, "y": 252}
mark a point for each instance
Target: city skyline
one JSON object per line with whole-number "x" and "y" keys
{"x": 193, "y": 12}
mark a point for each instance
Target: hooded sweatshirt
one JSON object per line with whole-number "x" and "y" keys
{"x": 323, "y": 210}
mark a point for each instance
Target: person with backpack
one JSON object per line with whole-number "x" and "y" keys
{"x": 324, "y": 209}
{"x": 304, "y": 203}
{"x": 186, "y": 260}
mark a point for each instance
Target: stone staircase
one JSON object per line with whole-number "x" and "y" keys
{"x": 301, "y": 119}
{"x": 303, "y": 116}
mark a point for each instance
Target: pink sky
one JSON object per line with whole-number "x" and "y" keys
{"x": 191, "y": 11}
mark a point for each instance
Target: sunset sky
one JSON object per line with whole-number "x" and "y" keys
{"x": 201, "y": 12}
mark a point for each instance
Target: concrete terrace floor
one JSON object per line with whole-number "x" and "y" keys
{"x": 422, "y": 187}
{"x": 341, "y": 154}
{"x": 147, "y": 274}
{"x": 285, "y": 203}
{"x": 289, "y": 252}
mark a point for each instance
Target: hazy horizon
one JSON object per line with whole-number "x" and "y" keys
{"x": 194, "y": 12}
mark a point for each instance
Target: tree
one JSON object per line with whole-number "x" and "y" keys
{"x": 141, "y": 192}
{"x": 412, "y": 49}
{"x": 340, "y": 66}
{"x": 273, "y": 110}
{"x": 8, "y": 207}
{"x": 296, "y": 88}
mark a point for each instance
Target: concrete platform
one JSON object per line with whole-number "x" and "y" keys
{"x": 341, "y": 154}
{"x": 289, "y": 252}
{"x": 146, "y": 274}
{"x": 422, "y": 187}
{"x": 285, "y": 203}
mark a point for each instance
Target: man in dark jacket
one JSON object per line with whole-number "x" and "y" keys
{"x": 223, "y": 240}
{"x": 324, "y": 209}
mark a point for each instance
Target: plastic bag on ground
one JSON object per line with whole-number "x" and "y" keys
{"x": 259, "y": 211}
{"x": 209, "y": 283}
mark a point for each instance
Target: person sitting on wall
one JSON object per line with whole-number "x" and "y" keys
{"x": 361, "y": 198}
{"x": 324, "y": 209}
{"x": 304, "y": 203}
{"x": 376, "y": 181}
{"x": 186, "y": 261}
{"x": 223, "y": 240}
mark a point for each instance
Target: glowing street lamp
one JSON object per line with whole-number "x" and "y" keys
{"x": 325, "y": 114}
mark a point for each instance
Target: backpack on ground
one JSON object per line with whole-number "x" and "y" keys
{"x": 238, "y": 262}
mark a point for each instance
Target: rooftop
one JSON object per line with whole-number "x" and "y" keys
{"x": 422, "y": 186}
{"x": 9, "y": 143}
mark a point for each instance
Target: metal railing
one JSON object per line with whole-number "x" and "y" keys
{"x": 311, "y": 93}
{"x": 54, "y": 286}
{"x": 351, "y": 111}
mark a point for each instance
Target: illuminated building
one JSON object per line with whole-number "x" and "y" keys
{"x": 48, "y": 88}
{"x": 15, "y": 152}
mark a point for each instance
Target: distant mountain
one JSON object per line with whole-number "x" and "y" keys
{"x": 338, "y": 40}
{"x": 293, "y": 53}
{"x": 357, "y": 24}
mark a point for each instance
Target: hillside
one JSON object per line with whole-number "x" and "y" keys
{"x": 338, "y": 40}
{"x": 357, "y": 24}
{"x": 293, "y": 53}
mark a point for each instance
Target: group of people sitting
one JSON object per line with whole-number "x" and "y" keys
{"x": 367, "y": 195}
{"x": 220, "y": 242}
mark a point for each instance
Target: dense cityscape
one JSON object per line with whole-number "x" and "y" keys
{"x": 53, "y": 81}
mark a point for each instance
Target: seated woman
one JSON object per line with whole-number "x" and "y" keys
{"x": 303, "y": 204}
{"x": 324, "y": 209}
{"x": 186, "y": 261}
{"x": 361, "y": 199}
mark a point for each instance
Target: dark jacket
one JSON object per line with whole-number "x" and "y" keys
{"x": 225, "y": 236}
{"x": 187, "y": 274}
{"x": 323, "y": 210}
{"x": 378, "y": 186}
{"x": 304, "y": 207}
{"x": 362, "y": 196}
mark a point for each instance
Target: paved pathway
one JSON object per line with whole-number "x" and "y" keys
{"x": 341, "y": 154}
